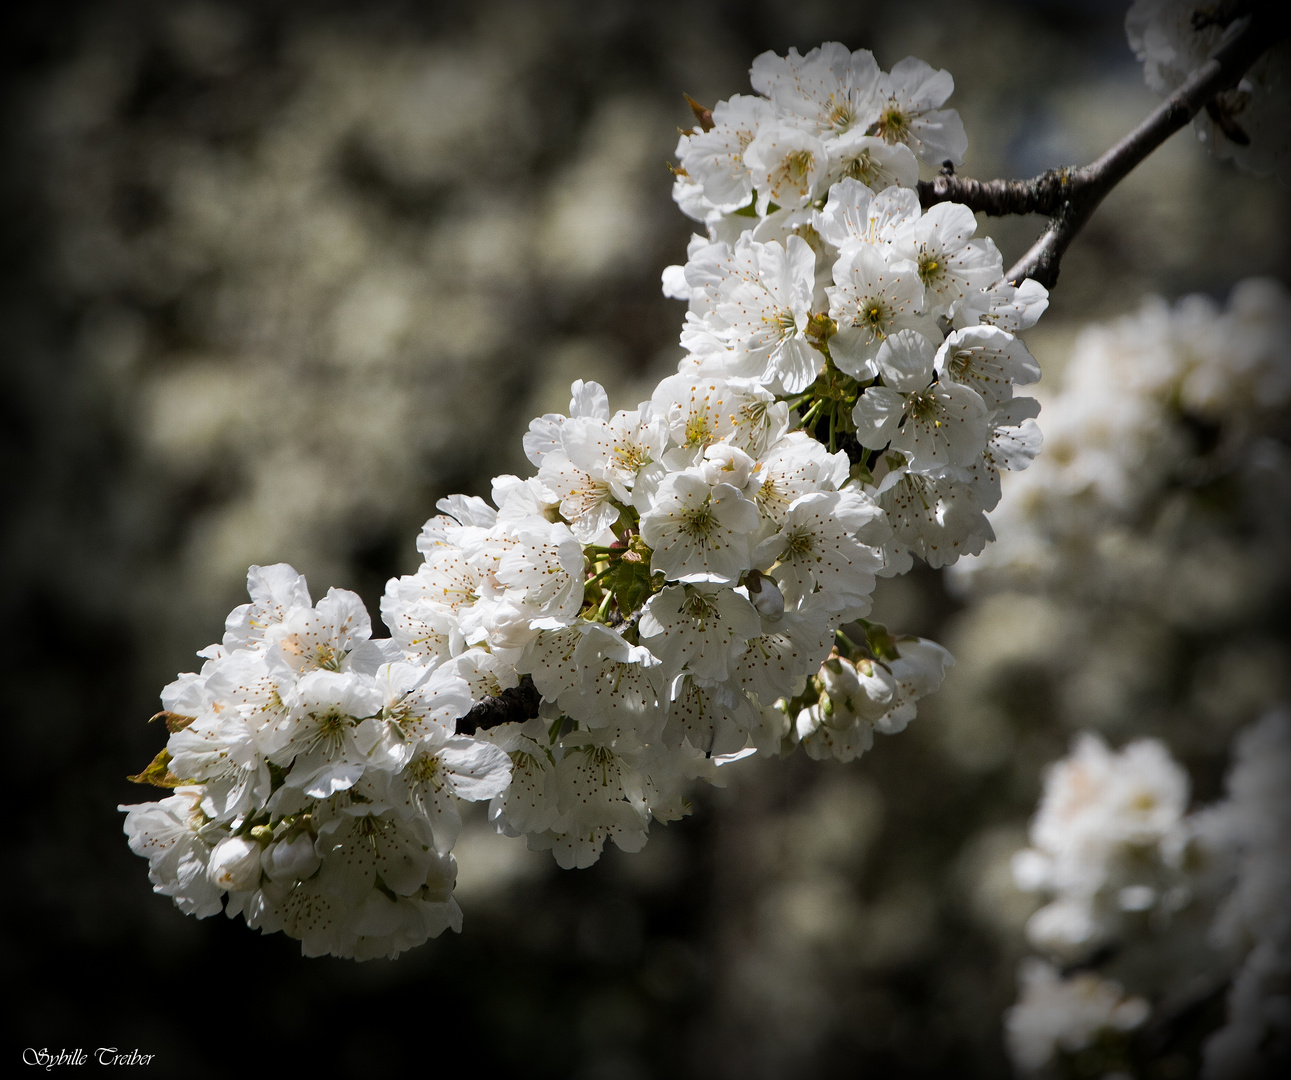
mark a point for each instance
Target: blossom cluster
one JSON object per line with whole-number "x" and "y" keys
{"x": 1247, "y": 123}
{"x": 678, "y": 585}
{"x": 1108, "y": 844}
{"x": 321, "y": 774}
{"x": 822, "y": 280}
{"x": 1123, "y": 862}
{"x": 1153, "y": 411}
{"x": 1252, "y": 830}
{"x": 1067, "y": 1013}
{"x": 1160, "y": 506}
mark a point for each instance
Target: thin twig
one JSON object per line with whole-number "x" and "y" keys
{"x": 1070, "y": 195}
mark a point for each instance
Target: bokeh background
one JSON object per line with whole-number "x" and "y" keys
{"x": 280, "y": 275}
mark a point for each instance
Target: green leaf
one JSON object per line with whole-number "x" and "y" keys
{"x": 859, "y": 472}
{"x": 157, "y": 773}
{"x": 630, "y": 585}
{"x": 882, "y": 645}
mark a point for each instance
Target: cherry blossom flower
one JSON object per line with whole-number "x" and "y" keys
{"x": 937, "y": 425}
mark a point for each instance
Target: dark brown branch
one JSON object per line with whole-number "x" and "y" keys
{"x": 1071, "y": 195}
{"x": 1042, "y": 194}
{"x": 1091, "y": 184}
{"x": 515, "y": 704}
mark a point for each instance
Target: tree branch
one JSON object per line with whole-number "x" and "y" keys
{"x": 515, "y": 704}
{"x": 1071, "y": 195}
{"x": 1042, "y": 194}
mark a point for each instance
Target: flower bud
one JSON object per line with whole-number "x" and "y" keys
{"x": 235, "y": 864}
{"x": 876, "y": 693}
{"x": 508, "y": 625}
{"x": 764, "y": 594}
{"x": 807, "y": 721}
{"x": 726, "y": 464}
{"x": 440, "y": 878}
{"x": 838, "y": 684}
{"x": 291, "y": 860}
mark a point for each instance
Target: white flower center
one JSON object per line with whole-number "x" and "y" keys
{"x": 799, "y": 543}
{"x": 701, "y": 608}
{"x": 931, "y": 267}
{"x": 862, "y": 167}
{"x": 874, "y": 314}
{"x": 893, "y": 124}
{"x": 700, "y": 522}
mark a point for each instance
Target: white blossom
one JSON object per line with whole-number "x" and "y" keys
{"x": 168, "y": 834}
{"x": 953, "y": 267}
{"x": 291, "y": 859}
{"x": 669, "y": 579}
{"x": 872, "y": 298}
{"x": 1106, "y": 823}
{"x": 818, "y": 546}
{"x": 529, "y": 803}
{"x": 936, "y": 424}
{"x": 787, "y": 165}
{"x": 909, "y": 112}
{"x": 766, "y": 320}
{"x": 1057, "y": 1013}
{"x": 699, "y": 628}
{"x": 234, "y": 864}
{"x": 699, "y": 531}
{"x": 989, "y": 360}
{"x": 275, "y": 591}
{"x": 831, "y": 90}
{"x": 871, "y": 161}
{"x": 714, "y": 159}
